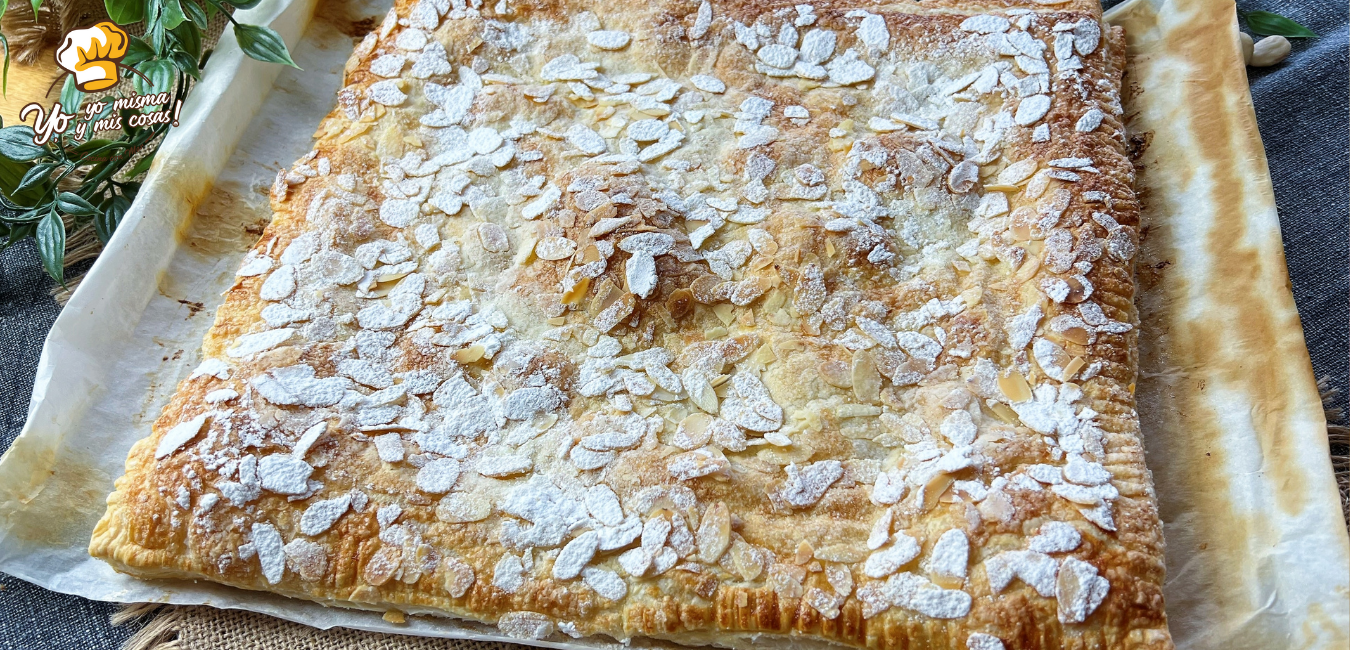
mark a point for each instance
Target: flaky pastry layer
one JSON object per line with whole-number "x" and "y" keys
{"x": 690, "y": 321}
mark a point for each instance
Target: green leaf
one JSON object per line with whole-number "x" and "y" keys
{"x": 37, "y": 4}
{"x": 1269, "y": 24}
{"x": 36, "y": 176}
{"x": 263, "y": 44}
{"x": 125, "y": 12}
{"x": 4, "y": 81}
{"x": 74, "y": 204}
{"x": 190, "y": 37}
{"x": 186, "y": 63}
{"x": 156, "y": 35}
{"x": 51, "y": 241}
{"x": 111, "y": 216}
{"x": 137, "y": 51}
{"x": 71, "y": 97}
{"x": 19, "y": 232}
{"x": 160, "y": 72}
{"x": 171, "y": 14}
{"x": 11, "y": 172}
{"x": 90, "y": 145}
{"x": 16, "y": 143}
{"x": 141, "y": 165}
{"x": 194, "y": 13}
{"x": 244, "y": 4}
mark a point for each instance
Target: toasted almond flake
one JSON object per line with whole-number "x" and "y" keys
{"x": 459, "y": 508}
{"x": 935, "y": 488}
{"x": 1015, "y": 387}
{"x": 387, "y": 92}
{"x": 585, "y": 139}
{"x": 714, "y": 533}
{"x": 1075, "y": 364}
{"x": 702, "y": 21}
{"x": 493, "y": 238}
{"x": 608, "y": 40}
{"x": 1014, "y": 174}
{"x": 1003, "y": 412}
{"x": 865, "y": 377}
{"x": 555, "y": 248}
{"x": 804, "y": 553}
{"x": 577, "y": 292}
{"x": 708, "y": 83}
{"x": 179, "y": 435}
{"x": 680, "y": 303}
{"x": 470, "y": 354}
{"x": 986, "y": 24}
{"x": 1031, "y": 109}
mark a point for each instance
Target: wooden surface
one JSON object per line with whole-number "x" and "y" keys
{"x": 27, "y": 83}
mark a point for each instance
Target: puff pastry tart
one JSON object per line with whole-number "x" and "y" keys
{"x": 706, "y": 322}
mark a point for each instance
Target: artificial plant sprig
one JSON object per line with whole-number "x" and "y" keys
{"x": 58, "y": 191}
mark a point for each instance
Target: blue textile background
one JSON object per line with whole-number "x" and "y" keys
{"x": 1302, "y": 110}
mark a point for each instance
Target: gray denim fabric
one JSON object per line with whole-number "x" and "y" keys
{"x": 1302, "y": 109}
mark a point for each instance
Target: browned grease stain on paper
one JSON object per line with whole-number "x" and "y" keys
{"x": 67, "y": 496}
{"x": 1246, "y": 339}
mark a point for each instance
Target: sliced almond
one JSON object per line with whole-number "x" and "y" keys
{"x": 1003, "y": 412}
{"x": 935, "y": 488}
{"x": 577, "y": 292}
{"x": 493, "y": 238}
{"x": 680, "y": 303}
{"x": 746, "y": 560}
{"x": 837, "y": 374}
{"x": 1027, "y": 270}
{"x": 470, "y": 354}
{"x": 1075, "y": 364}
{"x": 714, "y": 533}
{"x": 1015, "y": 387}
{"x": 805, "y": 552}
{"x": 554, "y": 248}
{"x": 605, "y": 295}
{"x": 1077, "y": 292}
{"x": 704, "y": 289}
{"x": 1077, "y": 335}
{"x": 700, "y": 391}
{"x": 764, "y": 355}
{"x": 606, "y": 211}
{"x": 693, "y": 431}
{"x": 726, "y": 312}
{"x": 866, "y": 378}
{"x": 773, "y": 300}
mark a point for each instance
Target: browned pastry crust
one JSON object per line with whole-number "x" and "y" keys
{"x": 491, "y": 359}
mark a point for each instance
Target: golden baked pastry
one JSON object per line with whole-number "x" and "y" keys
{"x": 698, "y": 321}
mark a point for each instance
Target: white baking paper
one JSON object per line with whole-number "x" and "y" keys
{"x": 131, "y": 332}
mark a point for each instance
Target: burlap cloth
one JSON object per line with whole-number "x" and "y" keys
{"x": 206, "y": 628}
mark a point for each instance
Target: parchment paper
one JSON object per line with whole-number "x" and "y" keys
{"x": 1234, "y": 432}
{"x": 1257, "y": 551}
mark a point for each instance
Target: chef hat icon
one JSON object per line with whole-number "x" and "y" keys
{"x": 91, "y": 54}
